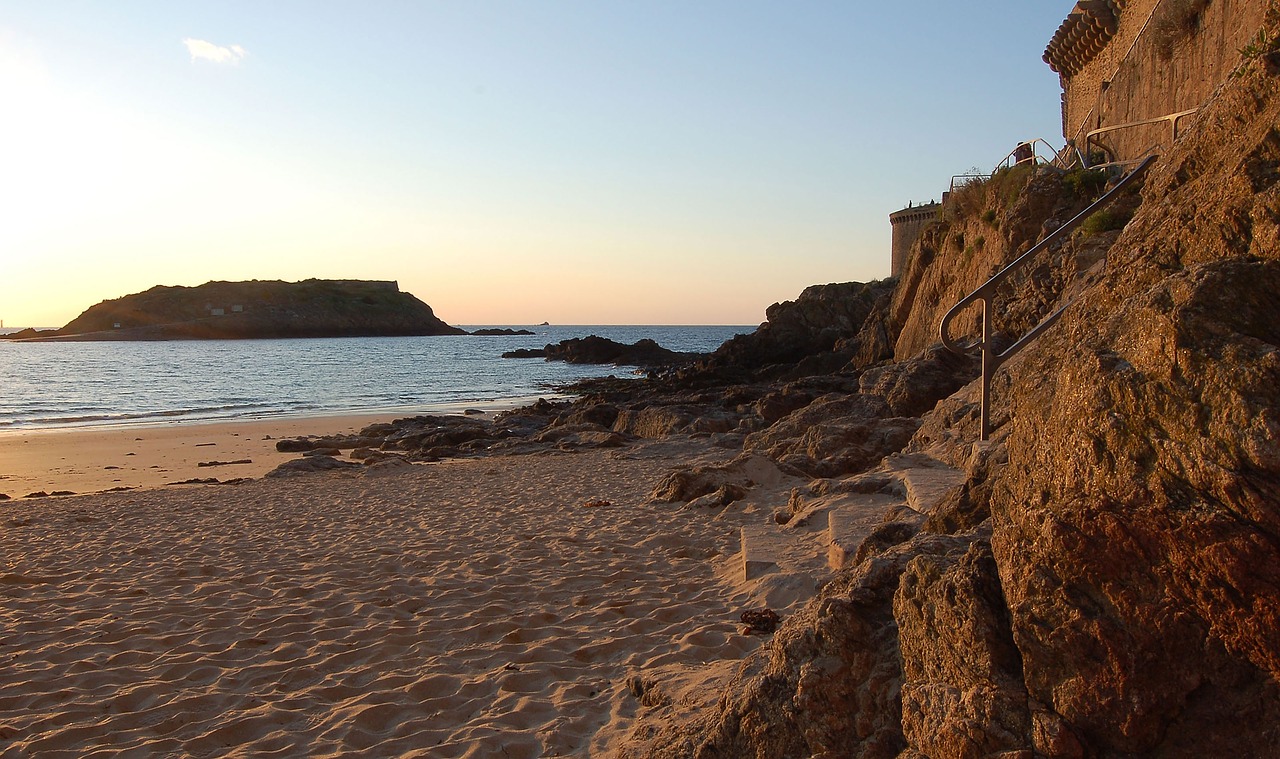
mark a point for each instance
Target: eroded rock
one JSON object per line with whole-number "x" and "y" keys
{"x": 835, "y": 435}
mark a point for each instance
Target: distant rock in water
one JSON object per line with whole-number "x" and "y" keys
{"x": 598, "y": 350}
{"x": 28, "y": 333}
{"x": 255, "y": 309}
{"x": 502, "y": 332}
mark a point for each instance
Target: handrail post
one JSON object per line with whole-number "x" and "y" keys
{"x": 988, "y": 369}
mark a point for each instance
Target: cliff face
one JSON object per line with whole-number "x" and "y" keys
{"x": 1106, "y": 580}
{"x": 240, "y": 310}
{"x": 1137, "y": 526}
{"x": 984, "y": 226}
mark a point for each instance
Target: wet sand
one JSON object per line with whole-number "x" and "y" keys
{"x": 92, "y": 460}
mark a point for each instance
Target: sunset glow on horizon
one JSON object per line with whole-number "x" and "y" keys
{"x": 505, "y": 162}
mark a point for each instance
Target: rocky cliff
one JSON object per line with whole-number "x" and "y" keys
{"x": 258, "y": 309}
{"x": 1137, "y": 526}
{"x": 1104, "y": 579}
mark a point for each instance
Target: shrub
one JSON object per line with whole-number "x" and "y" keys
{"x": 1007, "y": 184}
{"x": 1106, "y": 220}
{"x": 1179, "y": 20}
{"x": 966, "y": 198}
{"x": 1086, "y": 184}
{"x": 1265, "y": 46}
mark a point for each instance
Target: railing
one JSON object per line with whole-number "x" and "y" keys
{"x": 992, "y": 359}
{"x": 1025, "y": 152}
{"x": 1172, "y": 118}
{"x": 1028, "y": 152}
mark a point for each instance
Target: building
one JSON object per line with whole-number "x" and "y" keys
{"x": 907, "y": 226}
{"x": 1133, "y": 72}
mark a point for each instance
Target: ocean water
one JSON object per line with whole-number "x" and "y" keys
{"x": 52, "y": 385}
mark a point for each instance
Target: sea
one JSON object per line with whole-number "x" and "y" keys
{"x": 96, "y": 384}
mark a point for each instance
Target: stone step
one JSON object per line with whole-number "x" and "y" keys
{"x": 926, "y": 481}
{"x": 849, "y": 523}
{"x": 762, "y": 548}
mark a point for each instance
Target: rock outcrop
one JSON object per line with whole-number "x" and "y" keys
{"x": 824, "y": 330}
{"x": 600, "y": 350}
{"x": 256, "y": 309}
{"x": 1137, "y": 526}
{"x": 501, "y": 332}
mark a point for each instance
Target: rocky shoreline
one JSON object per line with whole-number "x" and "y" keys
{"x": 1098, "y": 579}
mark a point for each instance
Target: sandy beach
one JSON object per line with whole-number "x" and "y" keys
{"x": 98, "y": 459}
{"x": 501, "y": 607}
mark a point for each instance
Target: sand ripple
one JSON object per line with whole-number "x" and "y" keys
{"x": 466, "y": 609}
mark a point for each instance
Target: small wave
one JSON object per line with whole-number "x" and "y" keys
{"x": 135, "y": 417}
{"x": 51, "y": 385}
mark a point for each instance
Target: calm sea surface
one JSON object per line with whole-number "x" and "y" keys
{"x": 49, "y": 385}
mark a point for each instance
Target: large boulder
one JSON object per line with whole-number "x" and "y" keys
{"x": 914, "y": 386}
{"x": 962, "y": 691}
{"x": 660, "y": 420}
{"x": 835, "y": 434}
{"x": 743, "y": 472}
{"x": 311, "y": 465}
{"x": 819, "y": 332}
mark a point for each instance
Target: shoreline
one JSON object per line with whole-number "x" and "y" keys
{"x": 159, "y": 419}
{"x": 156, "y": 454}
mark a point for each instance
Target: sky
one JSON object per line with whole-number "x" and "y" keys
{"x": 570, "y": 161}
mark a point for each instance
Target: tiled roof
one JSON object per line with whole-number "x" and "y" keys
{"x": 1086, "y": 31}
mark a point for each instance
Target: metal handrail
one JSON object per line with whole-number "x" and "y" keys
{"x": 1125, "y": 164}
{"x": 992, "y": 359}
{"x": 1172, "y": 118}
{"x": 1035, "y": 158}
{"x": 966, "y": 179}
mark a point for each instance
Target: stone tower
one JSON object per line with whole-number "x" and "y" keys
{"x": 907, "y": 226}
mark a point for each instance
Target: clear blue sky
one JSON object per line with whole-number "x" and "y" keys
{"x": 507, "y": 162}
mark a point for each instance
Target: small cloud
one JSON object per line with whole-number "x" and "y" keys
{"x": 201, "y": 50}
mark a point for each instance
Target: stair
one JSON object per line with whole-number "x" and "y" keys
{"x": 927, "y": 486}
{"x": 762, "y": 548}
{"x": 802, "y": 546}
{"x": 850, "y": 523}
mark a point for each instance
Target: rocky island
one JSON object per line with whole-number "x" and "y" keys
{"x": 255, "y": 310}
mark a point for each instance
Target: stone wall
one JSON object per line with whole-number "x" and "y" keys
{"x": 1122, "y": 61}
{"x": 907, "y": 226}
{"x": 391, "y": 285}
